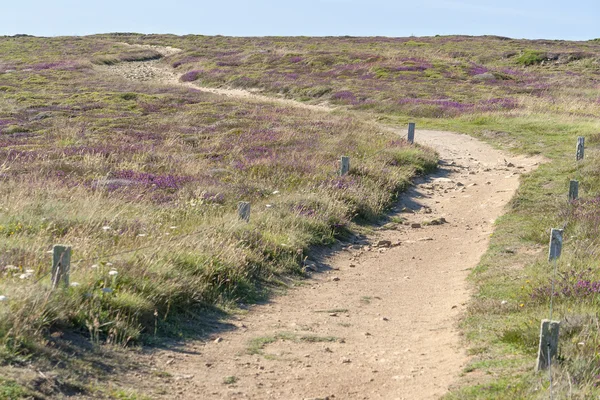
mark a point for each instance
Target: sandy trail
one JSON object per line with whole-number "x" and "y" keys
{"x": 156, "y": 72}
{"x": 371, "y": 323}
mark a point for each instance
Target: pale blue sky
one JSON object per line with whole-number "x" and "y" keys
{"x": 549, "y": 19}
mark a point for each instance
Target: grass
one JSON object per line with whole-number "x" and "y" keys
{"x": 85, "y": 150}
{"x": 109, "y": 166}
{"x": 230, "y": 380}
{"x": 10, "y": 389}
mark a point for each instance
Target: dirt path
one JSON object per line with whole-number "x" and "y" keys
{"x": 370, "y": 323}
{"x": 156, "y": 72}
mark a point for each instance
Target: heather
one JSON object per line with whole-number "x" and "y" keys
{"x": 110, "y": 166}
{"x": 434, "y": 77}
{"x": 143, "y": 182}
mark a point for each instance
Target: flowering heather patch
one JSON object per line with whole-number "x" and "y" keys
{"x": 475, "y": 69}
{"x": 61, "y": 65}
{"x": 305, "y": 210}
{"x": 191, "y": 76}
{"x": 345, "y": 97}
{"x": 571, "y": 284}
{"x": 413, "y": 64}
{"x": 448, "y": 108}
{"x": 341, "y": 182}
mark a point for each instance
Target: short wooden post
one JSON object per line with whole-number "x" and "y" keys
{"x": 580, "y": 148}
{"x": 61, "y": 265}
{"x": 244, "y": 211}
{"x": 556, "y": 241}
{"x": 344, "y": 165}
{"x": 411, "y": 132}
{"x": 548, "y": 347}
{"x": 573, "y": 190}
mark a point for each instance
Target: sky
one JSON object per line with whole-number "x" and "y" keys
{"x": 531, "y": 19}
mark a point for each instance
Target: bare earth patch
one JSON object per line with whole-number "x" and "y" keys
{"x": 372, "y": 322}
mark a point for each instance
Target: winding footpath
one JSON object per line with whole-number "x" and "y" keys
{"x": 370, "y": 322}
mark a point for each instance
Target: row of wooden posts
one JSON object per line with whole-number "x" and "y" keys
{"x": 549, "y": 329}
{"x": 61, "y": 265}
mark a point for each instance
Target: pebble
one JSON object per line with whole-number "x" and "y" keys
{"x": 310, "y": 266}
{"x": 384, "y": 243}
{"x": 218, "y": 340}
{"x": 415, "y": 225}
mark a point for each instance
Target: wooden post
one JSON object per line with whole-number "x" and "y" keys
{"x": 580, "y": 148}
{"x": 61, "y": 265}
{"x": 548, "y": 347}
{"x": 244, "y": 211}
{"x": 344, "y": 165}
{"x": 411, "y": 132}
{"x": 556, "y": 240}
{"x": 573, "y": 190}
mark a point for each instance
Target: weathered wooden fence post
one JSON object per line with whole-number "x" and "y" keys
{"x": 556, "y": 241}
{"x": 573, "y": 190}
{"x": 411, "y": 132}
{"x": 61, "y": 265}
{"x": 580, "y": 148}
{"x": 548, "y": 344}
{"x": 244, "y": 211}
{"x": 344, "y": 165}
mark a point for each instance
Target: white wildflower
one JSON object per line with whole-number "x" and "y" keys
{"x": 94, "y": 266}
{"x": 173, "y": 227}
{"x": 24, "y": 276}
{"x": 106, "y": 228}
{"x": 276, "y": 192}
{"x": 74, "y": 284}
{"x": 108, "y": 264}
{"x": 11, "y": 268}
{"x": 29, "y": 271}
{"x": 3, "y": 298}
{"x": 141, "y": 235}
{"x": 503, "y": 302}
{"x": 112, "y": 272}
{"x": 269, "y": 205}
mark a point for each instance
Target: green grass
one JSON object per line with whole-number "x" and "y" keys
{"x": 230, "y": 380}
{"x": 10, "y": 390}
{"x": 61, "y": 118}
